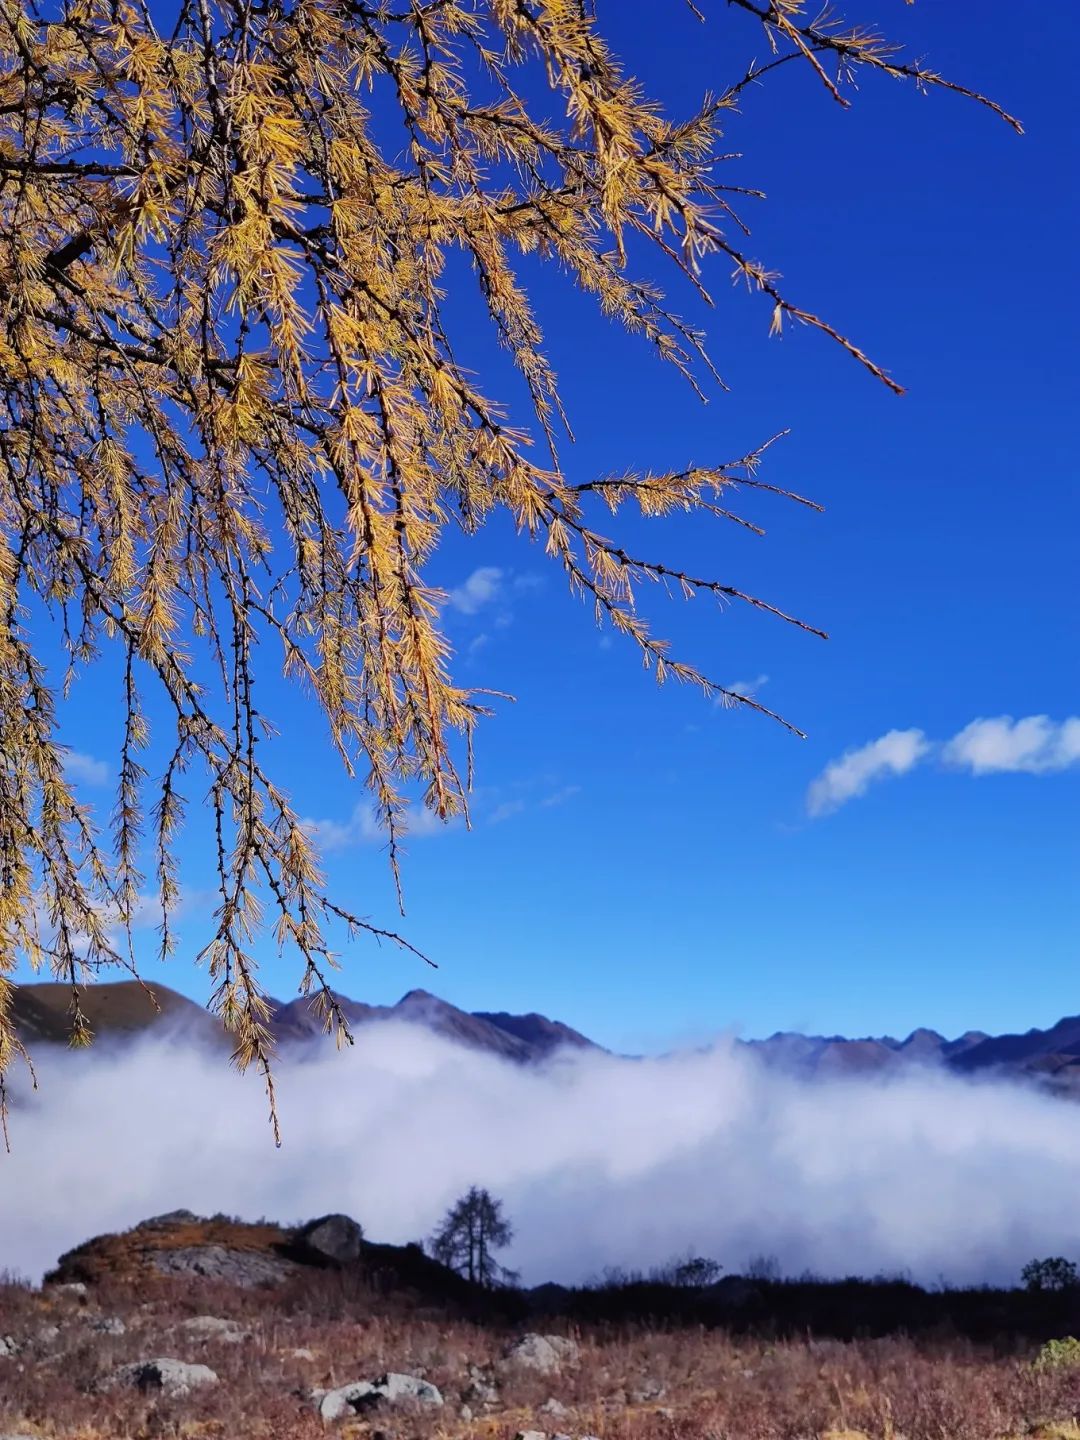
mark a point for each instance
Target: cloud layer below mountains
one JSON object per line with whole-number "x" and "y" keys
{"x": 600, "y": 1161}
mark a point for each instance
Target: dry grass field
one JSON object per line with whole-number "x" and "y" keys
{"x": 272, "y": 1349}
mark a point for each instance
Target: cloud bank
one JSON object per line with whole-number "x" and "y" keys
{"x": 852, "y": 775}
{"x": 1034, "y": 745}
{"x": 85, "y": 769}
{"x": 749, "y": 688}
{"x": 601, "y": 1161}
{"x": 363, "y": 827}
{"x": 480, "y": 588}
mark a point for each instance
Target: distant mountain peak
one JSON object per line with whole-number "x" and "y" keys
{"x": 922, "y": 1042}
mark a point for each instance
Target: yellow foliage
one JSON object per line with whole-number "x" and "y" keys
{"x": 232, "y": 410}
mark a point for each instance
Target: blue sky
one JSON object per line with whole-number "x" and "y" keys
{"x": 644, "y": 865}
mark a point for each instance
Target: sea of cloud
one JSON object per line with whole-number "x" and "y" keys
{"x": 601, "y": 1161}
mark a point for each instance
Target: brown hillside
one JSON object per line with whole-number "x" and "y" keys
{"x": 43, "y": 1012}
{"x": 126, "y": 1008}
{"x": 183, "y": 1248}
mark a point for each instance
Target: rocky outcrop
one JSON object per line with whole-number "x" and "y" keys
{"x": 248, "y": 1269}
{"x": 169, "y": 1220}
{"x": 179, "y": 1247}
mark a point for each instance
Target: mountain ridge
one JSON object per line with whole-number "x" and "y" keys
{"x": 126, "y": 1009}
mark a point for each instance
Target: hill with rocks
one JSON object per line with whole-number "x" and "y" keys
{"x": 251, "y": 1256}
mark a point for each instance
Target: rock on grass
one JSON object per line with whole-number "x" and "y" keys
{"x": 364, "y": 1395}
{"x": 174, "y": 1379}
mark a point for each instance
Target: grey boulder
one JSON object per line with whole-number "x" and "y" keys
{"x": 545, "y": 1353}
{"x": 334, "y": 1238}
{"x": 544, "y": 1435}
{"x": 364, "y": 1395}
{"x": 554, "y": 1408}
{"x": 212, "y": 1327}
{"x": 480, "y": 1390}
{"x": 174, "y": 1379}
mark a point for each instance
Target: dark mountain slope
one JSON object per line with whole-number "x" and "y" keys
{"x": 1062, "y": 1039}
{"x": 297, "y": 1020}
{"x": 542, "y": 1034}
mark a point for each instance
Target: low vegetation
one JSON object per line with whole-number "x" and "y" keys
{"x": 1063, "y": 1354}
{"x": 632, "y": 1382}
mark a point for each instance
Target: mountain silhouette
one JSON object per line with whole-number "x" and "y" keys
{"x": 127, "y": 1009}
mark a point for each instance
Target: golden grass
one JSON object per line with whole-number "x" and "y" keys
{"x": 630, "y": 1382}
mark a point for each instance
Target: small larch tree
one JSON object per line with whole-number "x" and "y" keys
{"x": 472, "y": 1230}
{"x": 232, "y": 416}
{"x": 1052, "y": 1274}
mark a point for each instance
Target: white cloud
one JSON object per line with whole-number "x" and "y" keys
{"x": 360, "y": 828}
{"x": 560, "y": 796}
{"x": 363, "y": 827}
{"x": 852, "y": 775}
{"x": 505, "y": 811}
{"x": 146, "y": 914}
{"x": 481, "y": 588}
{"x": 748, "y": 688}
{"x": 1035, "y": 745}
{"x": 85, "y": 770}
{"x": 600, "y": 1161}
{"x": 419, "y": 820}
